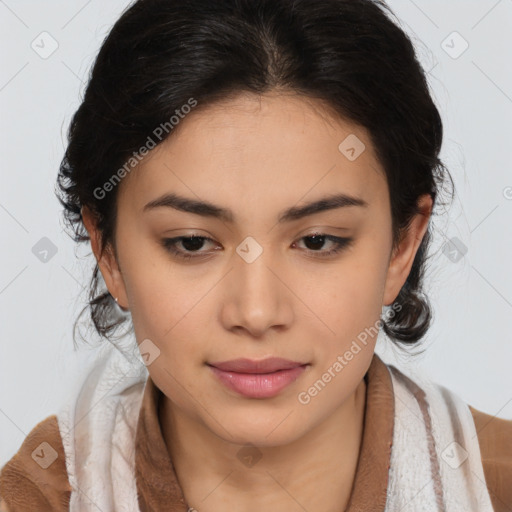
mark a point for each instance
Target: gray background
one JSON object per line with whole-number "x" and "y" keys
{"x": 469, "y": 347}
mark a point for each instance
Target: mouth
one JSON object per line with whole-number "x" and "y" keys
{"x": 258, "y": 379}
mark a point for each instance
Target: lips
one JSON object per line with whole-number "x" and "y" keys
{"x": 258, "y": 379}
{"x": 268, "y": 365}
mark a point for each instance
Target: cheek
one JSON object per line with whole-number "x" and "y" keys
{"x": 351, "y": 300}
{"x": 169, "y": 307}
{"x": 164, "y": 310}
{"x": 151, "y": 290}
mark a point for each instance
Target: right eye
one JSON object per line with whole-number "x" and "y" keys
{"x": 191, "y": 245}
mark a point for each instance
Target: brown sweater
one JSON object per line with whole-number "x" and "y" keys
{"x": 26, "y": 487}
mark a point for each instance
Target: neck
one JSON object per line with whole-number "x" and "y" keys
{"x": 314, "y": 472}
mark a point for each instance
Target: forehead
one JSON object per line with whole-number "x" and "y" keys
{"x": 255, "y": 150}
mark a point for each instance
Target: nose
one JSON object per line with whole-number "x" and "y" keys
{"x": 256, "y": 297}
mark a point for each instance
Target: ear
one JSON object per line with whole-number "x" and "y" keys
{"x": 107, "y": 262}
{"x": 403, "y": 256}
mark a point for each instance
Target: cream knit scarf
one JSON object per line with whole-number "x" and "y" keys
{"x": 435, "y": 460}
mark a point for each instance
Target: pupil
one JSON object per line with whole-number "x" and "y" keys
{"x": 318, "y": 240}
{"x": 193, "y": 243}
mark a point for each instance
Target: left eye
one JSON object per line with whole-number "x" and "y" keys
{"x": 192, "y": 244}
{"x": 320, "y": 238}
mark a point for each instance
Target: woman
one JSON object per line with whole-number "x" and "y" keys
{"x": 256, "y": 179}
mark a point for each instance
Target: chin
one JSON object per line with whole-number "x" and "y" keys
{"x": 266, "y": 432}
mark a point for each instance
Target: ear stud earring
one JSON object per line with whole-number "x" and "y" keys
{"x": 122, "y": 307}
{"x": 117, "y": 302}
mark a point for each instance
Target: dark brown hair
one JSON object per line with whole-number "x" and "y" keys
{"x": 348, "y": 53}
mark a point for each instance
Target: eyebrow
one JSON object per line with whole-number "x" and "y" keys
{"x": 206, "y": 209}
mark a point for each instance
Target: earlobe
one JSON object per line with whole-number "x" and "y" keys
{"x": 403, "y": 257}
{"x": 107, "y": 261}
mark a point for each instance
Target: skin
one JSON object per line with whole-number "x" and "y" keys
{"x": 258, "y": 156}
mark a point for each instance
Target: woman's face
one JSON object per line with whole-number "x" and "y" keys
{"x": 258, "y": 284}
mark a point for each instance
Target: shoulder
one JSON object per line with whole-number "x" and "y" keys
{"x": 495, "y": 440}
{"x": 35, "y": 478}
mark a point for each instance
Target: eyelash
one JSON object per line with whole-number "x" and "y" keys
{"x": 340, "y": 244}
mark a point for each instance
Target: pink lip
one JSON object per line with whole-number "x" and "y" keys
{"x": 271, "y": 364}
{"x": 258, "y": 379}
